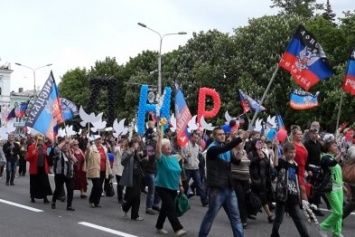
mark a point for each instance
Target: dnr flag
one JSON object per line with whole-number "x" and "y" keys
{"x": 46, "y": 111}
{"x": 183, "y": 116}
{"x": 305, "y": 59}
{"x": 300, "y": 99}
{"x": 349, "y": 81}
{"x": 250, "y": 104}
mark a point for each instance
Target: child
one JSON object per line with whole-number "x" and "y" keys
{"x": 288, "y": 192}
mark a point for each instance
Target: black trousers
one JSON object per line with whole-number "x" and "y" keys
{"x": 97, "y": 189}
{"x": 22, "y": 166}
{"x": 241, "y": 188}
{"x": 133, "y": 197}
{"x": 59, "y": 181}
{"x": 168, "y": 209}
{"x": 119, "y": 189}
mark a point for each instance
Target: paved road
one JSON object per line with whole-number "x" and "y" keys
{"x": 38, "y": 219}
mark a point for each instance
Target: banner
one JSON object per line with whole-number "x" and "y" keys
{"x": 46, "y": 111}
{"x": 300, "y": 99}
{"x": 69, "y": 109}
{"x": 183, "y": 116}
{"x": 305, "y": 59}
{"x": 249, "y": 104}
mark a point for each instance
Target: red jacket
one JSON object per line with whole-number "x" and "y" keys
{"x": 33, "y": 158}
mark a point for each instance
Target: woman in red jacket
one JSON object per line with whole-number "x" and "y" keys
{"x": 39, "y": 182}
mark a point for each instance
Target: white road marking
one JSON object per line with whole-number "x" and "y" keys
{"x": 21, "y": 206}
{"x": 115, "y": 232}
{"x": 322, "y": 209}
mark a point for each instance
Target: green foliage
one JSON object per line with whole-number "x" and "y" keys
{"x": 305, "y": 8}
{"x": 328, "y": 13}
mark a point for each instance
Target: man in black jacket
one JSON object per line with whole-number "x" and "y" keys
{"x": 12, "y": 153}
{"x": 220, "y": 183}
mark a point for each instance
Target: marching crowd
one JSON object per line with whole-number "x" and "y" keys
{"x": 241, "y": 171}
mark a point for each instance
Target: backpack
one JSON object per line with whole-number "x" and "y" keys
{"x": 323, "y": 181}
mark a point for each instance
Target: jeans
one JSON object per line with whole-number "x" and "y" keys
{"x": 350, "y": 206}
{"x": 96, "y": 189}
{"x": 59, "y": 180}
{"x": 11, "y": 167}
{"x": 227, "y": 199}
{"x": 152, "y": 196}
{"x": 296, "y": 215}
{"x": 168, "y": 209}
{"x": 195, "y": 175}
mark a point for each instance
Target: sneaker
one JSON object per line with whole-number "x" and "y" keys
{"x": 205, "y": 203}
{"x": 139, "y": 218}
{"x": 322, "y": 233}
{"x": 340, "y": 235}
{"x": 162, "y": 232}
{"x": 180, "y": 232}
{"x": 150, "y": 211}
{"x": 253, "y": 217}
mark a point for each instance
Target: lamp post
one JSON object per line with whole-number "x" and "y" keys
{"x": 34, "y": 73}
{"x": 159, "y": 56}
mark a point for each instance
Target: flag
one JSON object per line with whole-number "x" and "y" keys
{"x": 305, "y": 59}
{"x": 153, "y": 117}
{"x": 349, "y": 81}
{"x": 22, "y": 109}
{"x": 183, "y": 116}
{"x": 11, "y": 115}
{"x": 5, "y": 110}
{"x": 249, "y": 104}
{"x": 280, "y": 123}
{"x": 69, "y": 109}
{"x": 300, "y": 99}
{"x": 46, "y": 110}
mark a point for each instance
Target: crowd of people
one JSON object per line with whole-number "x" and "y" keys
{"x": 228, "y": 169}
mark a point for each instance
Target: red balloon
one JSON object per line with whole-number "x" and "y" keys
{"x": 201, "y": 109}
{"x": 281, "y": 135}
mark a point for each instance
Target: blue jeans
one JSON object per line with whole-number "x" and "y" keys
{"x": 195, "y": 175}
{"x": 153, "y": 198}
{"x": 227, "y": 199}
{"x": 296, "y": 215}
{"x": 11, "y": 167}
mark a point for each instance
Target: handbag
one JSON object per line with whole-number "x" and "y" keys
{"x": 348, "y": 171}
{"x": 253, "y": 202}
{"x": 182, "y": 204}
{"x": 109, "y": 190}
{"x": 323, "y": 181}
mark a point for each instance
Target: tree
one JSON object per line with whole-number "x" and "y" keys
{"x": 305, "y": 8}
{"x": 328, "y": 12}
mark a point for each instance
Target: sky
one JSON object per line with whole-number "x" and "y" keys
{"x": 77, "y": 33}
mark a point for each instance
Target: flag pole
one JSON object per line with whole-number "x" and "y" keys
{"x": 264, "y": 95}
{"x": 339, "y": 112}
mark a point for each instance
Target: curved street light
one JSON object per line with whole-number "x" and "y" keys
{"x": 34, "y": 73}
{"x": 159, "y": 56}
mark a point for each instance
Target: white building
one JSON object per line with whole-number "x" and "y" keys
{"x": 5, "y": 77}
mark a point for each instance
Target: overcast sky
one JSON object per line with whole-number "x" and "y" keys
{"x": 76, "y": 33}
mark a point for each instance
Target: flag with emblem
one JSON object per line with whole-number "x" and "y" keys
{"x": 305, "y": 59}
{"x": 300, "y": 99}
{"x": 249, "y": 104}
{"x": 46, "y": 111}
{"x": 349, "y": 80}
{"x": 183, "y": 116}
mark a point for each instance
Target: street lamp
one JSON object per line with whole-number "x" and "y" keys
{"x": 159, "y": 56}
{"x": 34, "y": 74}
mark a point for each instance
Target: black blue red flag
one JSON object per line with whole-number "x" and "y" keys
{"x": 183, "y": 116}
{"x": 46, "y": 111}
{"x": 249, "y": 104}
{"x": 300, "y": 99}
{"x": 305, "y": 59}
{"x": 349, "y": 80}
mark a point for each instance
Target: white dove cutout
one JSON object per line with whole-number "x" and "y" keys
{"x": 192, "y": 125}
{"x": 61, "y": 132}
{"x": 119, "y": 128}
{"x": 228, "y": 117}
{"x": 270, "y": 123}
{"x": 173, "y": 123}
{"x": 80, "y": 130}
{"x": 70, "y": 131}
{"x": 205, "y": 125}
{"x": 32, "y": 131}
{"x": 98, "y": 125}
{"x": 87, "y": 118}
{"x": 258, "y": 127}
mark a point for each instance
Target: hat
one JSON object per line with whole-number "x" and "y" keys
{"x": 314, "y": 130}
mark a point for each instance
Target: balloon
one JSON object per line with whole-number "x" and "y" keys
{"x": 271, "y": 134}
{"x": 226, "y": 128}
{"x": 281, "y": 135}
{"x": 201, "y": 110}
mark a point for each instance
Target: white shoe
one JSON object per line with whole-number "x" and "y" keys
{"x": 338, "y": 235}
{"x": 322, "y": 233}
{"x": 180, "y": 232}
{"x": 162, "y": 232}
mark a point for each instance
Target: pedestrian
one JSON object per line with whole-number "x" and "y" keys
{"x": 80, "y": 181}
{"x": 288, "y": 192}
{"x": 167, "y": 183}
{"x": 63, "y": 167}
{"x": 335, "y": 197}
{"x": 22, "y": 160}
{"x": 117, "y": 168}
{"x": 2, "y": 159}
{"x": 12, "y": 153}
{"x": 220, "y": 183}
{"x": 131, "y": 179}
{"x": 98, "y": 169}
{"x": 39, "y": 182}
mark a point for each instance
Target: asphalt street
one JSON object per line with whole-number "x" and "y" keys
{"x": 21, "y": 218}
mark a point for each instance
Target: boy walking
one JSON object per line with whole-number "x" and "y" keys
{"x": 288, "y": 192}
